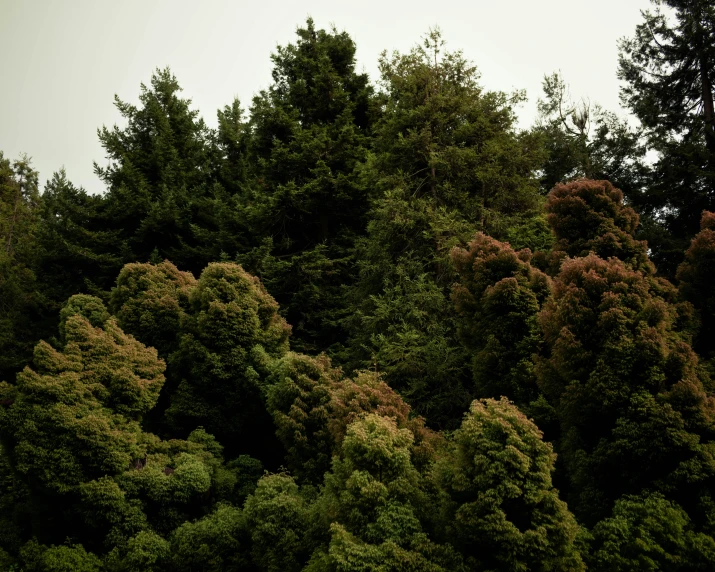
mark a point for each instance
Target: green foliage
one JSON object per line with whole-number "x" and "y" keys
{"x": 447, "y": 162}
{"x": 313, "y": 405}
{"x": 21, "y": 302}
{"x": 374, "y": 499}
{"x": 218, "y": 542}
{"x": 667, "y": 74}
{"x": 149, "y": 301}
{"x": 697, "y": 275}
{"x": 310, "y": 131}
{"x": 631, "y": 405}
{"x": 500, "y": 507}
{"x": 589, "y": 216}
{"x": 38, "y": 558}
{"x": 157, "y": 175}
{"x": 584, "y": 140}
{"x": 649, "y": 533}
{"x": 277, "y": 517}
{"x": 228, "y": 339}
{"x": 498, "y": 298}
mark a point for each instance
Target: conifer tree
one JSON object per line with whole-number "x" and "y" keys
{"x": 70, "y": 428}
{"x": 448, "y": 162}
{"x": 312, "y": 405}
{"x": 229, "y": 337}
{"x": 158, "y": 176}
{"x": 590, "y": 216}
{"x": 697, "y": 276}
{"x": 499, "y": 506}
{"x": 667, "y": 70}
{"x": 310, "y": 131}
{"x": 373, "y": 496}
{"x": 498, "y": 298}
{"x": 629, "y": 396}
{"x": 21, "y": 304}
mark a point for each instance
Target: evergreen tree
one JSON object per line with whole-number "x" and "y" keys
{"x": 70, "y": 428}
{"x": 627, "y": 389}
{"x": 498, "y": 299}
{"x": 21, "y": 305}
{"x": 310, "y": 132}
{"x": 374, "y": 499}
{"x": 649, "y": 533}
{"x": 229, "y": 337}
{"x": 697, "y": 276}
{"x": 585, "y": 140}
{"x": 447, "y": 162}
{"x": 78, "y": 247}
{"x": 499, "y": 507}
{"x": 159, "y": 176}
{"x": 668, "y": 72}
{"x": 589, "y": 216}
{"x": 312, "y": 406}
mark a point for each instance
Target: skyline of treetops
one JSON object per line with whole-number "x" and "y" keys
{"x": 371, "y": 323}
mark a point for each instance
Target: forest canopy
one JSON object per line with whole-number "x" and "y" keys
{"x": 371, "y": 324}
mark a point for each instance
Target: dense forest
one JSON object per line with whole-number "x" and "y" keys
{"x": 372, "y": 324}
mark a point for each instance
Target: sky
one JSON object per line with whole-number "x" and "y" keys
{"x": 63, "y": 61}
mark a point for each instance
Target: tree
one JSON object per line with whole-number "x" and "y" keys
{"x": 313, "y": 404}
{"x": 626, "y": 386}
{"x": 498, "y": 298}
{"x": 667, "y": 70}
{"x": 589, "y": 216}
{"x": 374, "y": 499}
{"x": 70, "y": 428}
{"x": 696, "y": 276}
{"x": 310, "y": 131}
{"x": 278, "y": 519}
{"x": 21, "y": 304}
{"x": 158, "y": 176}
{"x": 219, "y": 542}
{"x": 78, "y": 248}
{"x": 149, "y": 301}
{"x": 499, "y": 506}
{"x": 649, "y": 533}
{"x": 447, "y": 162}
{"x": 229, "y": 336}
{"x": 584, "y": 140}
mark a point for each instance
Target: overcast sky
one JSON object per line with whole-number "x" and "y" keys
{"x": 61, "y": 62}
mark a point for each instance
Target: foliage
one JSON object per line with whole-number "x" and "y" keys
{"x": 497, "y": 299}
{"x": 231, "y": 333}
{"x": 649, "y": 533}
{"x": 585, "y": 140}
{"x": 500, "y": 508}
{"x": 589, "y": 216}
{"x": 696, "y": 276}
{"x": 437, "y": 188}
{"x": 312, "y": 406}
{"x": 667, "y": 71}
{"x": 310, "y": 131}
{"x": 21, "y": 302}
{"x": 631, "y": 403}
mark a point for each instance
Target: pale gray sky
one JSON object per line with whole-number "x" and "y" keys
{"x": 62, "y": 62}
